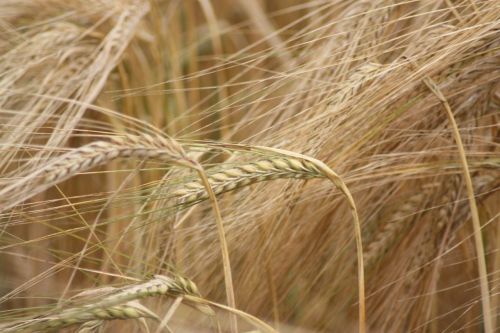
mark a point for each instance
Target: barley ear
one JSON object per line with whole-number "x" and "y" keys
{"x": 117, "y": 303}
{"x": 247, "y": 174}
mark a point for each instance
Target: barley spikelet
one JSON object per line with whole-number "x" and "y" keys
{"x": 356, "y": 81}
{"x": 350, "y": 88}
{"x": 397, "y": 221}
{"x": 483, "y": 185}
{"x": 100, "y": 152}
{"x": 120, "y": 303}
{"x": 432, "y": 232}
{"x": 436, "y": 237}
{"x": 17, "y": 61}
{"x": 401, "y": 219}
{"x": 247, "y": 174}
{"x": 453, "y": 215}
{"x": 90, "y": 326}
{"x": 97, "y": 153}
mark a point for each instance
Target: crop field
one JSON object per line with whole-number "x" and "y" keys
{"x": 248, "y": 166}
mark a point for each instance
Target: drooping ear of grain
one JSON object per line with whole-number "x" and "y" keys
{"x": 144, "y": 147}
{"x": 119, "y": 303}
{"x": 247, "y": 174}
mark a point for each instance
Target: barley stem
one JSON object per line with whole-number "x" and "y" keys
{"x": 476, "y": 224}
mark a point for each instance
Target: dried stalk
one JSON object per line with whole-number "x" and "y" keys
{"x": 476, "y": 223}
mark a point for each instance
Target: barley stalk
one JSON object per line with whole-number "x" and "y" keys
{"x": 339, "y": 184}
{"x": 476, "y": 223}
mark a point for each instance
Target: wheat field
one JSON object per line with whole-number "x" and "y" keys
{"x": 249, "y": 166}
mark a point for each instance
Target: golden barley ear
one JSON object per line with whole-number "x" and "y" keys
{"x": 116, "y": 303}
{"x": 78, "y": 160}
{"x": 246, "y": 174}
